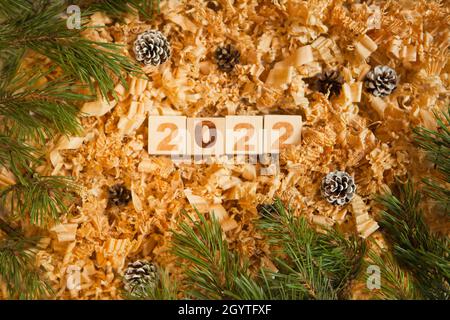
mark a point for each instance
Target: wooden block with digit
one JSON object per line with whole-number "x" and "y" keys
{"x": 206, "y": 136}
{"x": 281, "y": 131}
{"x": 167, "y": 135}
{"x": 244, "y": 135}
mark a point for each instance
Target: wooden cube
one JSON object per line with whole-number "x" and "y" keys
{"x": 280, "y": 131}
{"x": 244, "y": 135}
{"x": 167, "y": 135}
{"x": 206, "y": 136}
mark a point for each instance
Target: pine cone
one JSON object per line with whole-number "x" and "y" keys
{"x": 381, "y": 81}
{"x": 338, "y": 187}
{"x": 139, "y": 276}
{"x": 214, "y": 5}
{"x": 227, "y": 57}
{"x": 330, "y": 81}
{"x": 152, "y": 47}
{"x": 119, "y": 195}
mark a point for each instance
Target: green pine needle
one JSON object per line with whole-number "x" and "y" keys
{"x": 90, "y": 62}
{"x": 396, "y": 284}
{"x": 311, "y": 265}
{"x": 437, "y": 145}
{"x": 321, "y": 265}
{"x": 16, "y": 156}
{"x": 40, "y": 198}
{"x": 415, "y": 247}
{"x": 38, "y": 112}
{"x": 214, "y": 268}
{"x": 17, "y": 270}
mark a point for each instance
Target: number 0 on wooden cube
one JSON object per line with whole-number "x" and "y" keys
{"x": 281, "y": 131}
{"x": 167, "y": 135}
{"x": 206, "y": 136}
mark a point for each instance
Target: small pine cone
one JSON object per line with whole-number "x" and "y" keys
{"x": 152, "y": 47}
{"x": 227, "y": 57}
{"x": 140, "y": 275}
{"x": 214, "y": 5}
{"x": 119, "y": 195}
{"x": 330, "y": 81}
{"x": 338, "y": 187}
{"x": 381, "y": 81}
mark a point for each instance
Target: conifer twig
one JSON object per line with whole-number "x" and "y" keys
{"x": 17, "y": 269}
{"x": 312, "y": 265}
{"x": 415, "y": 247}
{"x": 45, "y": 32}
{"x": 437, "y": 145}
{"x": 396, "y": 284}
{"x": 40, "y": 198}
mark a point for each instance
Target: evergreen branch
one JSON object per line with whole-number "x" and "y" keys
{"x": 9, "y": 9}
{"x": 45, "y": 32}
{"x": 16, "y": 156}
{"x": 35, "y": 109}
{"x": 311, "y": 265}
{"x": 9, "y": 64}
{"x": 320, "y": 264}
{"x": 41, "y": 198}
{"x": 17, "y": 270}
{"x": 214, "y": 269}
{"x": 415, "y": 247}
{"x": 396, "y": 284}
{"x": 6, "y": 228}
{"x": 437, "y": 145}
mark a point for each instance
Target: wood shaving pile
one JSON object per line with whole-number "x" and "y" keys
{"x": 283, "y": 45}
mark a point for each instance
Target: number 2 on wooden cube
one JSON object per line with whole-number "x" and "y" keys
{"x": 167, "y": 135}
{"x": 244, "y": 134}
{"x": 206, "y": 136}
{"x": 281, "y": 131}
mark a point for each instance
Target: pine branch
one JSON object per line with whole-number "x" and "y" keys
{"x": 40, "y": 198}
{"x": 311, "y": 265}
{"x": 415, "y": 247}
{"x": 16, "y": 156}
{"x": 17, "y": 269}
{"x": 437, "y": 145}
{"x": 90, "y": 62}
{"x": 34, "y": 111}
{"x": 396, "y": 284}
{"x": 214, "y": 269}
{"x": 318, "y": 265}
{"x": 10, "y": 9}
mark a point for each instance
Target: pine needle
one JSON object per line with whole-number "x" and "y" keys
{"x": 22, "y": 279}
{"x": 45, "y": 32}
{"x": 437, "y": 145}
{"x": 40, "y": 198}
{"x": 37, "y": 112}
{"x": 214, "y": 269}
{"x": 415, "y": 247}
{"x": 311, "y": 265}
{"x": 396, "y": 284}
{"x": 321, "y": 265}
{"x": 16, "y": 156}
